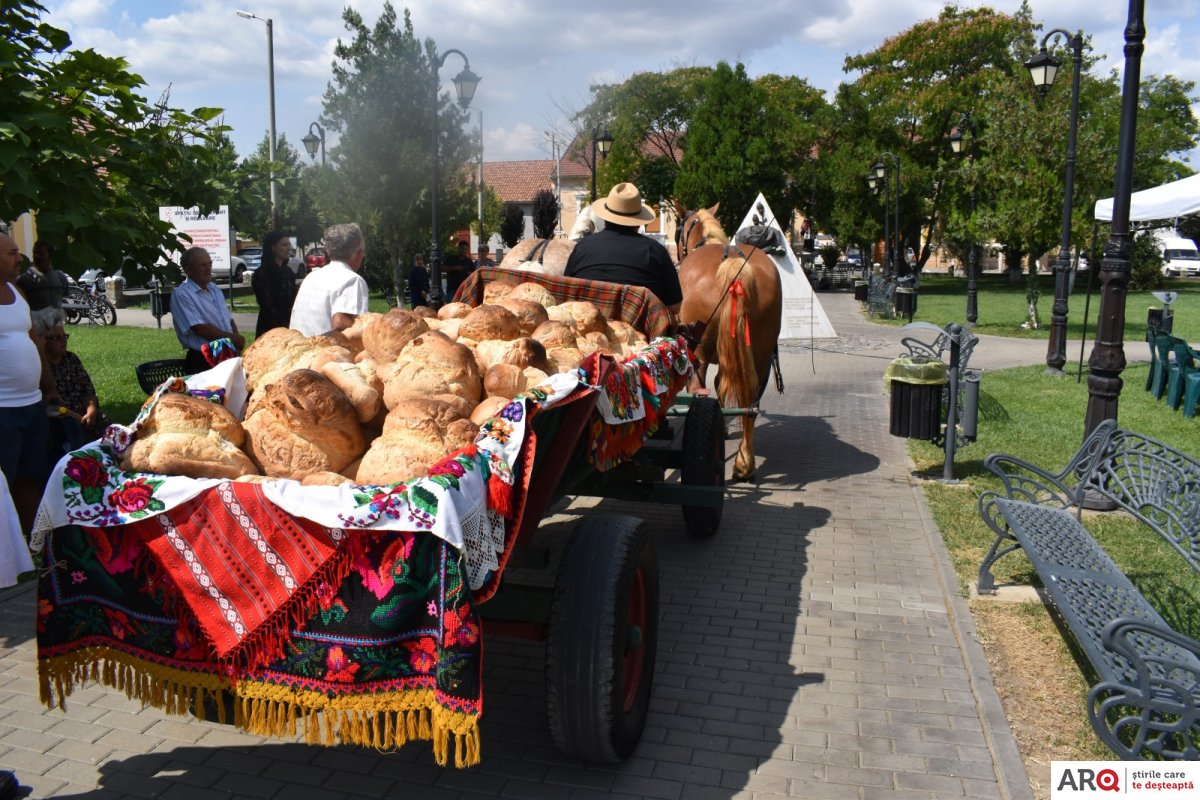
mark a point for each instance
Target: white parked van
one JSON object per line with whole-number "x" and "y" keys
{"x": 1180, "y": 256}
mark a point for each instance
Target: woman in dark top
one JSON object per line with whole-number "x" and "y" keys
{"x": 274, "y": 284}
{"x": 83, "y": 420}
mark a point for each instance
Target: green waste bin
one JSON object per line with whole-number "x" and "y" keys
{"x": 917, "y": 384}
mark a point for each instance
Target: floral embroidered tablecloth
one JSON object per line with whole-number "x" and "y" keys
{"x": 370, "y": 637}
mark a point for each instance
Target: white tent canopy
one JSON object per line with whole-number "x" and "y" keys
{"x": 1176, "y": 199}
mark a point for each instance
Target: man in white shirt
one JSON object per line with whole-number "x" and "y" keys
{"x": 330, "y": 298}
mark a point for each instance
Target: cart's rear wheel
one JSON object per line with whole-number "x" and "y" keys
{"x": 602, "y": 639}
{"x": 703, "y": 462}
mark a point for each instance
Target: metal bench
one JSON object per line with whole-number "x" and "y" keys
{"x": 1146, "y": 704}
{"x": 881, "y": 297}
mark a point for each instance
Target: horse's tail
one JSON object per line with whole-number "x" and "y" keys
{"x": 739, "y": 376}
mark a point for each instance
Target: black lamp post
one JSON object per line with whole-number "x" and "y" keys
{"x": 1043, "y": 68}
{"x": 881, "y": 171}
{"x": 873, "y": 180}
{"x": 465, "y": 84}
{"x": 314, "y": 140}
{"x": 1108, "y": 354}
{"x": 956, "y": 144}
{"x": 603, "y": 142}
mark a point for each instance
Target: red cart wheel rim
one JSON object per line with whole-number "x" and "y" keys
{"x": 635, "y": 651}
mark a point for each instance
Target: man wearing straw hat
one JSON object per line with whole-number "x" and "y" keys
{"x": 620, "y": 254}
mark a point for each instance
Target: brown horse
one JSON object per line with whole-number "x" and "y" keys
{"x": 735, "y": 290}
{"x": 549, "y": 256}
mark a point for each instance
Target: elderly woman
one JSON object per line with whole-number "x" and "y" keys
{"x": 74, "y": 386}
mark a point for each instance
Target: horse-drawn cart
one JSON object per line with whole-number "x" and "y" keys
{"x": 352, "y": 614}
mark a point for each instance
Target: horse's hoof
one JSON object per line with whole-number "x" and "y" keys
{"x": 739, "y": 477}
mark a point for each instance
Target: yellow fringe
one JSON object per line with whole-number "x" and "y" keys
{"x": 384, "y": 722}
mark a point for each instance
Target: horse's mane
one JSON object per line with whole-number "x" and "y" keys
{"x": 710, "y": 228}
{"x": 585, "y": 223}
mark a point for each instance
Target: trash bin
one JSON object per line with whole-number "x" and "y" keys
{"x": 917, "y": 383}
{"x": 860, "y": 291}
{"x": 1157, "y": 320}
{"x": 906, "y": 302}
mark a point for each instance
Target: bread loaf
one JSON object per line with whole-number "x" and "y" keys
{"x": 491, "y": 407}
{"x": 555, "y": 334}
{"x": 454, "y": 311}
{"x": 185, "y": 435}
{"x": 490, "y": 322}
{"x": 528, "y": 313}
{"x": 432, "y": 364}
{"x": 584, "y": 316}
{"x": 303, "y": 425}
{"x": 387, "y": 336}
{"x": 533, "y": 291}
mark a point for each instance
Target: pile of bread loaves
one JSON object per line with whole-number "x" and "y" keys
{"x": 382, "y": 401}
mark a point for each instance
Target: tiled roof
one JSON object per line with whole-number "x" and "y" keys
{"x": 518, "y": 181}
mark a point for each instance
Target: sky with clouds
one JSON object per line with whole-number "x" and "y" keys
{"x": 538, "y": 58}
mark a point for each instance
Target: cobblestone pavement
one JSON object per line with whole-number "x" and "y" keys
{"x": 816, "y": 647}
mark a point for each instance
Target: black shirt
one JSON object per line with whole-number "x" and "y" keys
{"x": 619, "y": 254}
{"x": 455, "y": 269}
{"x": 275, "y": 290}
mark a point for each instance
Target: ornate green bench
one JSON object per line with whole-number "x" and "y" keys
{"x": 1146, "y": 704}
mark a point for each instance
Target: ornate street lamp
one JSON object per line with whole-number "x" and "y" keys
{"x": 893, "y": 268}
{"x": 465, "y": 84}
{"x": 878, "y": 184}
{"x": 603, "y": 143}
{"x": 1108, "y": 354}
{"x": 1042, "y": 68}
{"x": 314, "y": 140}
{"x": 271, "y": 92}
{"x": 956, "y": 144}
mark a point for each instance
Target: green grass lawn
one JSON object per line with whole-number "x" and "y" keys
{"x": 1002, "y": 307}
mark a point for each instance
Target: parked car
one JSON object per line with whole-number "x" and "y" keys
{"x": 253, "y": 256}
{"x": 316, "y": 258}
{"x": 220, "y": 274}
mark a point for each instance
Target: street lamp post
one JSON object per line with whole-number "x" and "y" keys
{"x": 1108, "y": 354}
{"x": 956, "y": 144}
{"x": 465, "y": 84}
{"x": 314, "y": 140}
{"x": 1043, "y": 67}
{"x": 873, "y": 179}
{"x": 271, "y": 133}
{"x": 604, "y": 142}
{"x": 881, "y": 171}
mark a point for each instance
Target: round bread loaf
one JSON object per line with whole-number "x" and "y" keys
{"x": 585, "y": 316}
{"x": 194, "y": 455}
{"x": 490, "y": 322}
{"x": 412, "y": 447}
{"x": 503, "y": 380}
{"x": 425, "y": 312}
{"x": 387, "y": 336}
{"x": 533, "y": 291}
{"x": 490, "y": 407}
{"x": 270, "y": 353}
{"x": 440, "y": 411}
{"x": 556, "y": 334}
{"x": 354, "y": 333}
{"x": 454, "y": 311}
{"x": 305, "y": 424}
{"x": 592, "y": 342}
{"x": 433, "y": 364}
{"x": 523, "y": 352}
{"x": 528, "y": 313}
{"x": 497, "y": 290}
{"x": 564, "y": 358}
{"x": 176, "y": 412}
{"x": 623, "y": 333}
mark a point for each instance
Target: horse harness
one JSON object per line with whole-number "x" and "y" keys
{"x": 538, "y": 253}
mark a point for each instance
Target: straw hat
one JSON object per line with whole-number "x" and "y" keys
{"x": 623, "y": 206}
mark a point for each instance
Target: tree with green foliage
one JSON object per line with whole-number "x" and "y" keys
{"x": 545, "y": 214}
{"x": 89, "y": 155}
{"x": 512, "y": 224}
{"x": 803, "y": 116}
{"x": 646, "y": 115}
{"x": 728, "y": 151}
{"x": 251, "y": 210}
{"x": 380, "y": 104}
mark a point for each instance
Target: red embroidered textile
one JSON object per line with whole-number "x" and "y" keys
{"x": 240, "y": 563}
{"x": 636, "y": 305}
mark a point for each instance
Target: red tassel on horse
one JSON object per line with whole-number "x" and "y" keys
{"x": 736, "y": 292}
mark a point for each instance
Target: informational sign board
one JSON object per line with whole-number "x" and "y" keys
{"x": 210, "y": 231}
{"x": 803, "y": 316}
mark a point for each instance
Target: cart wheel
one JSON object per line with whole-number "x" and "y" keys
{"x": 602, "y": 639}
{"x": 703, "y": 462}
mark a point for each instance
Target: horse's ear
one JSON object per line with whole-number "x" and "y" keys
{"x": 713, "y": 210}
